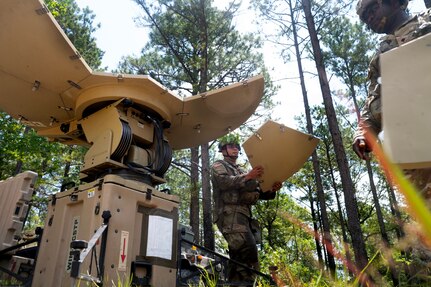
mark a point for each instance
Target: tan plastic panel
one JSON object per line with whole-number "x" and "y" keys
{"x": 34, "y": 48}
{"x": 81, "y": 217}
{"x": 15, "y": 192}
{"x": 281, "y": 151}
{"x": 101, "y": 87}
{"x": 406, "y": 102}
{"x": 211, "y": 115}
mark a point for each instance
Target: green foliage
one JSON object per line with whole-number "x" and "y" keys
{"x": 21, "y": 144}
{"x": 78, "y": 25}
{"x": 120, "y": 281}
{"x": 10, "y": 282}
{"x": 287, "y": 241}
{"x": 207, "y": 278}
{"x": 348, "y": 49}
{"x": 180, "y": 47}
{"x": 178, "y": 182}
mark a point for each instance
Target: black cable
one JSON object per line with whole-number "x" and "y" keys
{"x": 163, "y": 152}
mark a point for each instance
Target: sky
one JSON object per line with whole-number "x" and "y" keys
{"x": 120, "y": 36}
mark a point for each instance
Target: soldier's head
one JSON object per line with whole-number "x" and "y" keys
{"x": 229, "y": 145}
{"x": 382, "y": 16}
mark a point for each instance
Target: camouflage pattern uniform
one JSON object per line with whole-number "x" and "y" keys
{"x": 233, "y": 197}
{"x": 371, "y": 114}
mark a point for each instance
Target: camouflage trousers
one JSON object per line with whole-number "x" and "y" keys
{"x": 236, "y": 229}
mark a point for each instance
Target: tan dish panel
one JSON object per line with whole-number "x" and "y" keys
{"x": 34, "y": 48}
{"x": 44, "y": 82}
{"x": 406, "y": 102}
{"x": 281, "y": 151}
{"x": 211, "y": 115}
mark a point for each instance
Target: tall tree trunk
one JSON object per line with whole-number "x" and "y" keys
{"x": 395, "y": 210}
{"x": 269, "y": 224}
{"x": 208, "y": 232}
{"x": 321, "y": 231}
{"x": 18, "y": 167}
{"x": 194, "y": 194}
{"x": 327, "y": 238}
{"x": 340, "y": 210}
{"x": 346, "y": 241}
{"x": 19, "y": 163}
{"x": 353, "y": 222}
{"x": 383, "y": 233}
{"x": 377, "y": 205}
{"x": 207, "y": 199}
{"x": 399, "y": 226}
{"x": 66, "y": 171}
{"x": 315, "y": 228}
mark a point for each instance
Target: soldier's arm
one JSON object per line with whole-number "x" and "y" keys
{"x": 225, "y": 180}
{"x": 367, "y": 122}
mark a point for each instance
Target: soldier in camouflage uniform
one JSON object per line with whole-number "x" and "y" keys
{"x": 388, "y": 17}
{"x": 234, "y": 192}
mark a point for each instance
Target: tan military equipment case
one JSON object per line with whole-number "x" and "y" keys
{"x": 143, "y": 228}
{"x": 406, "y": 103}
{"x": 15, "y": 193}
{"x": 281, "y": 151}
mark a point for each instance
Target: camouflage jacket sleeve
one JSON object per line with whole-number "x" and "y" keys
{"x": 371, "y": 117}
{"x": 228, "y": 178}
{"x": 371, "y": 112}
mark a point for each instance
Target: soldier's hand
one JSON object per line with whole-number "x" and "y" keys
{"x": 276, "y": 186}
{"x": 255, "y": 173}
{"x": 362, "y": 148}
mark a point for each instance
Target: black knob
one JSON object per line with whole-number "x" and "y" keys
{"x": 65, "y": 127}
{"x": 78, "y": 244}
